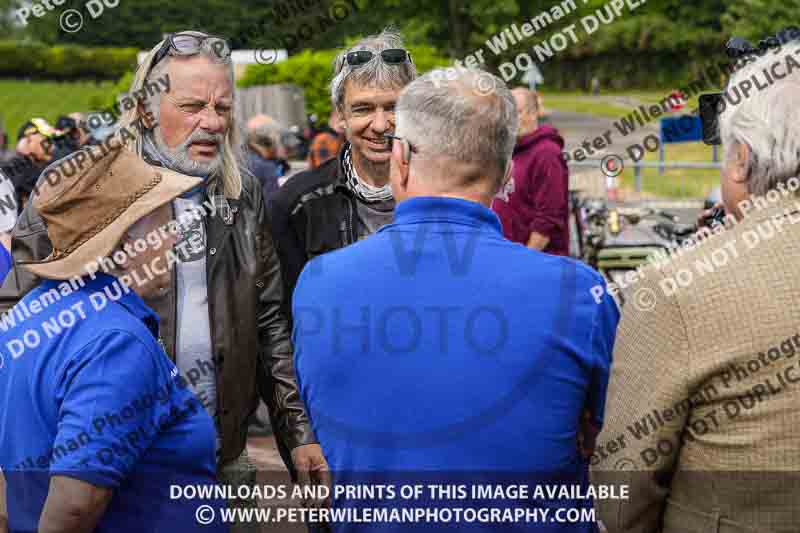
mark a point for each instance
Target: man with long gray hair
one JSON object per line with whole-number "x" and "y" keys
{"x": 706, "y": 366}
{"x": 472, "y": 355}
{"x": 220, "y": 314}
{"x": 348, "y": 198}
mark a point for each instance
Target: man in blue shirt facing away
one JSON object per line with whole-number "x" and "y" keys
{"x": 437, "y": 352}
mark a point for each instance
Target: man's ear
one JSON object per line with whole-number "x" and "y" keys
{"x": 504, "y": 180}
{"x": 742, "y": 159}
{"x": 146, "y": 116}
{"x": 509, "y": 173}
{"x": 47, "y": 146}
{"x": 401, "y": 159}
{"x": 341, "y": 122}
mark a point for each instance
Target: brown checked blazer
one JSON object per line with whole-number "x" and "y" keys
{"x": 703, "y": 407}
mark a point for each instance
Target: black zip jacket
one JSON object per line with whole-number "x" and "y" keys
{"x": 313, "y": 213}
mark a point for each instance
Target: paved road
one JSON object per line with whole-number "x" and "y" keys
{"x": 579, "y": 127}
{"x": 264, "y": 455}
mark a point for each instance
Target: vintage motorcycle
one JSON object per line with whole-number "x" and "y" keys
{"x": 615, "y": 240}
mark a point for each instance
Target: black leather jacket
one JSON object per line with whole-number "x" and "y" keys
{"x": 250, "y": 334}
{"x": 313, "y": 213}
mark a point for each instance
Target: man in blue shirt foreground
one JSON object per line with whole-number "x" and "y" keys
{"x": 95, "y": 422}
{"x": 437, "y": 352}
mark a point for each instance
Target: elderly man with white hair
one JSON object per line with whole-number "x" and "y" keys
{"x": 438, "y": 346}
{"x": 704, "y": 403}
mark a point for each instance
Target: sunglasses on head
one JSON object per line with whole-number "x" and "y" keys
{"x": 393, "y": 56}
{"x": 191, "y": 43}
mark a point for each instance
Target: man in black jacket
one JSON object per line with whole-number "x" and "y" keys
{"x": 347, "y": 198}
{"x": 35, "y": 149}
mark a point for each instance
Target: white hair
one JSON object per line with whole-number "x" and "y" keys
{"x": 460, "y": 114}
{"x": 375, "y": 73}
{"x": 230, "y": 174}
{"x": 767, "y": 120}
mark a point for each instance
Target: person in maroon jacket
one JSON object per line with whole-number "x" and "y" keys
{"x": 533, "y": 205}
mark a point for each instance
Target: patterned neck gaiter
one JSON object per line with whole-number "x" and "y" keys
{"x": 364, "y": 191}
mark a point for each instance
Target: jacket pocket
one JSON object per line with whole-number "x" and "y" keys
{"x": 325, "y": 228}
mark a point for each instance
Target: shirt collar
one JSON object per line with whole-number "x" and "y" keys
{"x": 442, "y": 209}
{"x": 129, "y": 300}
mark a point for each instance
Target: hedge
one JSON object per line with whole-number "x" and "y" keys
{"x": 638, "y": 71}
{"x": 61, "y": 63}
{"x": 313, "y": 70}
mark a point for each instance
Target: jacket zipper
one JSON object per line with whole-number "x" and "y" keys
{"x": 174, "y": 296}
{"x": 350, "y": 222}
{"x": 218, "y": 419}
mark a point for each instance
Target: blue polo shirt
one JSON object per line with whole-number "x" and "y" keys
{"x": 87, "y": 392}
{"x": 6, "y": 263}
{"x": 438, "y": 352}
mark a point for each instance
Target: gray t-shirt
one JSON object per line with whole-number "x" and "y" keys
{"x": 194, "y": 355}
{"x": 8, "y": 204}
{"x": 373, "y": 216}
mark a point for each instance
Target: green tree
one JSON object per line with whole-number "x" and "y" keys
{"x": 142, "y": 23}
{"x": 10, "y": 27}
{"x": 758, "y": 19}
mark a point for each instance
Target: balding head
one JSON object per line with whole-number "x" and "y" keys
{"x": 527, "y": 110}
{"x": 462, "y": 134}
{"x": 524, "y": 99}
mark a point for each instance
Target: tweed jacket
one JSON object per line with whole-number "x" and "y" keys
{"x": 703, "y": 408}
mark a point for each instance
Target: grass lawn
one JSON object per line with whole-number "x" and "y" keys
{"x": 677, "y": 183}
{"x": 584, "y": 103}
{"x": 23, "y": 100}
{"x": 655, "y": 97}
{"x": 578, "y": 104}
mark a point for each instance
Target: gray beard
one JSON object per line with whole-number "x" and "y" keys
{"x": 178, "y": 159}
